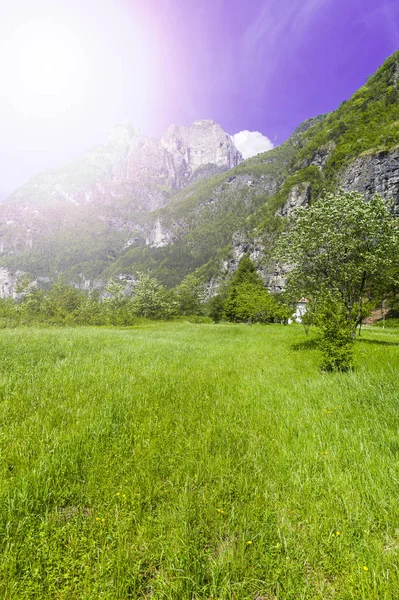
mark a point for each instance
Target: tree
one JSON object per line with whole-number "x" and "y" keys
{"x": 344, "y": 246}
{"x": 343, "y": 250}
{"x": 151, "y": 299}
{"x": 116, "y": 297}
{"x": 248, "y": 298}
{"x": 215, "y": 307}
{"x": 91, "y": 310}
{"x": 61, "y": 302}
{"x": 336, "y": 343}
{"x": 190, "y": 295}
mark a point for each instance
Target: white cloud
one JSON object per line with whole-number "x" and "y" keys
{"x": 250, "y": 143}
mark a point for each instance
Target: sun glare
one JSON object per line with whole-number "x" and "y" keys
{"x": 46, "y": 67}
{"x": 50, "y": 70}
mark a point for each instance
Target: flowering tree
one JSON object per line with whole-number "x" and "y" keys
{"x": 343, "y": 249}
{"x": 345, "y": 246}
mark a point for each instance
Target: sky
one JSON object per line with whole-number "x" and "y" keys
{"x": 71, "y": 70}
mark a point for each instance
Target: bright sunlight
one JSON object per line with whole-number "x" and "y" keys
{"x": 47, "y": 67}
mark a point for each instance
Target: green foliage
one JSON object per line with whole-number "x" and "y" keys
{"x": 92, "y": 312}
{"x": 366, "y": 122}
{"x": 343, "y": 249}
{"x": 200, "y": 320}
{"x": 215, "y": 307}
{"x": 61, "y": 302}
{"x": 151, "y": 300}
{"x": 116, "y": 306}
{"x": 266, "y": 218}
{"x": 249, "y": 301}
{"x": 246, "y": 273}
{"x": 337, "y": 338}
{"x": 344, "y": 245}
{"x": 247, "y": 297}
{"x": 190, "y": 295}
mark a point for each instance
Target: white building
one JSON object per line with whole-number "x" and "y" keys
{"x": 300, "y": 310}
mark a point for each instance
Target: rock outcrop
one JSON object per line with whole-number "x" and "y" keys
{"x": 8, "y": 282}
{"x": 135, "y": 169}
{"x": 375, "y": 173}
{"x": 298, "y": 197}
{"x": 204, "y": 143}
{"x": 159, "y": 236}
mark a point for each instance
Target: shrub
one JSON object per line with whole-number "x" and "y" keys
{"x": 337, "y": 338}
{"x": 215, "y": 308}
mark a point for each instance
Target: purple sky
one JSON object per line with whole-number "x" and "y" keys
{"x": 263, "y": 65}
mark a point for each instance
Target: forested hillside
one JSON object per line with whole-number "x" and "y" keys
{"x": 207, "y": 225}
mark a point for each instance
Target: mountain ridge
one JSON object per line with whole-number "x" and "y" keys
{"x": 205, "y": 224}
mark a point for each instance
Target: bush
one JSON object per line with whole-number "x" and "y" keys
{"x": 199, "y": 320}
{"x": 337, "y": 338}
{"x": 215, "y": 308}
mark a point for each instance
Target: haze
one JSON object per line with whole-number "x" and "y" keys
{"x": 69, "y": 70}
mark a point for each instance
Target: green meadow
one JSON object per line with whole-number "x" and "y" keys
{"x": 181, "y": 461}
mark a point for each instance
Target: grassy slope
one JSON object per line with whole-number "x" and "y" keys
{"x": 178, "y": 461}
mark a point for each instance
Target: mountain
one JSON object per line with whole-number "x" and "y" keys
{"x": 80, "y": 217}
{"x": 136, "y": 167}
{"x": 189, "y": 201}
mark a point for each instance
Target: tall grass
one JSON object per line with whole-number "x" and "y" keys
{"x": 182, "y": 461}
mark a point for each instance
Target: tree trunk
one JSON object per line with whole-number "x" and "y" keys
{"x": 360, "y": 315}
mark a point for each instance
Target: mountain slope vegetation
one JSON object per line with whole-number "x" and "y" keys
{"x": 195, "y": 228}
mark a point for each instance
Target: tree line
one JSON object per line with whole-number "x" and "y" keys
{"x": 342, "y": 254}
{"x": 244, "y": 298}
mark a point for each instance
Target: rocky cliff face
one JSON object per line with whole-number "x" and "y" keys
{"x": 375, "y": 174}
{"x": 298, "y": 197}
{"x": 136, "y": 169}
{"x": 114, "y": 184}
{"x": 204, "y": 143}
{"x": 8, "y": 281}
{"x": 137, "y": 203}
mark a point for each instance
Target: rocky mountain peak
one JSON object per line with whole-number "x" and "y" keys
{"x": 123, "y": 133}
{"x": 202, "y": 143}
{"x": 134, "y": 168}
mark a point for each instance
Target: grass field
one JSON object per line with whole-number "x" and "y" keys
{"x": 181, "y": 461}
